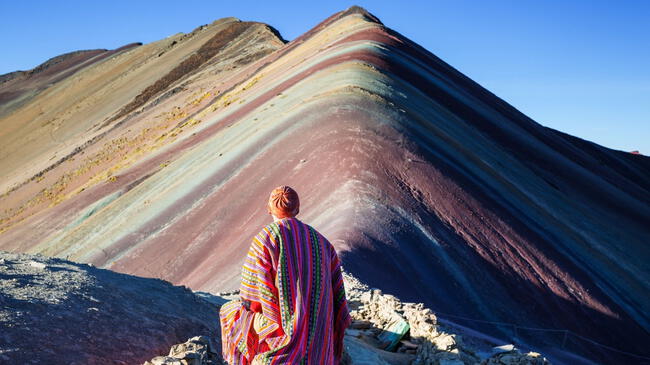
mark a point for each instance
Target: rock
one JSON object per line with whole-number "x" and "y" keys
{"x": 447, "y": 358}
{"x": 509, "y": 359}
{"x": 408, "y": 344}
{"x": 516, "y": 358}
{"x": 503, "y": 348}
{"x": 375, "y": 315}
{"x": 195, "y": 351}
{"x": 359, "y": 325}
{"x": 163, "y": 360}
{"x": 451, "y": 362}
{"x": 445, "y": 342}
{"x": 38, "y": 265}
{"x": 358, "y": 352}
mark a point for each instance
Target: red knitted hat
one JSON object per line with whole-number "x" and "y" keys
{"x": 284, "y": 202}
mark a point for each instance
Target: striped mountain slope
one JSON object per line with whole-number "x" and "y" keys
{"x": 158, "y": 161}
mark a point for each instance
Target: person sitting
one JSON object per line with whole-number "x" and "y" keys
{"x": 292, "y": 307}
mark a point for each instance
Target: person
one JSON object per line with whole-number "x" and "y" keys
{"x": 292, "y": 307}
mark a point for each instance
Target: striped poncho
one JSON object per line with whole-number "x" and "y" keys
{"x": 292, "y": 280}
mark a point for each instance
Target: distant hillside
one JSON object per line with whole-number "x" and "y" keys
{"x": 19, "y": 87}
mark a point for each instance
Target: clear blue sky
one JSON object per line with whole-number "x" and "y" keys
{"x": 582, "y": 67}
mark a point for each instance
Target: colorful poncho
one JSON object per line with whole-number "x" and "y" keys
{"x": 292, "y": 279}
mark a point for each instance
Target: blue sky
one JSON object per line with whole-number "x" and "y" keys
{"x": 582, "y": 67}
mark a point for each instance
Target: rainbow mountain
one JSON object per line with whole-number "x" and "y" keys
{"x": 157, "y": 159}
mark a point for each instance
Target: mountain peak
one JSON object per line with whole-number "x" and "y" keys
{"x": 354, "y": 9}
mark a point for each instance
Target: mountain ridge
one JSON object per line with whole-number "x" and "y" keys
{"x": 403, "y": 162}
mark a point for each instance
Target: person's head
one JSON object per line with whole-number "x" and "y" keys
{"x": 283, "y": 203}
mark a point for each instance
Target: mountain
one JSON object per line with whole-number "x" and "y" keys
{"x": 158, "y": 162}
{"x": 18, "y": 88}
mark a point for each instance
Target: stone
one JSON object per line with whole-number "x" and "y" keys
{"x": 503, "y": 348}
{"x": 37, "y": 265}
{"x": 445, "y": 342}
{"x": 163, "y": 360}
{"x": 195, "y": 351}
{"x": 509, "y": 359}
{"x": 375, "y": 315}
{"x": 451, "y": 362}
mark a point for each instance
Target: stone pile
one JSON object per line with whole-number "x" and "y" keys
{"x": 384, "y": 331}
{"x": 516, "y": 358}
{"x": 374, "y": 314}
{"x": 196, "y": 351}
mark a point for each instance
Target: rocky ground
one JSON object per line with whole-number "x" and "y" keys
{"x": 379, "y": 320}
{"x": 58, "y": 312}
{"x": 374, "y": 337}
{"x": 54, "y": 311}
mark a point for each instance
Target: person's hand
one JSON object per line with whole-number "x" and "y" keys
{"x": 259, "y": 322}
